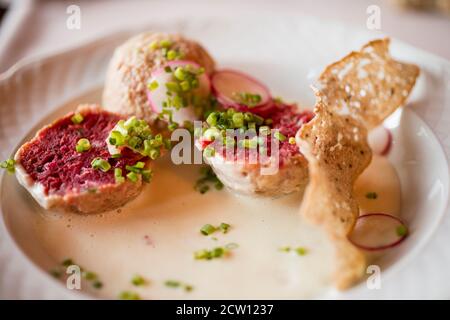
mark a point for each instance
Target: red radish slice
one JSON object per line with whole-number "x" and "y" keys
{"x": 378, "y": 231}
{"x": 380, "y": 140}
{"x": 157, "y": 96}
{"x": 228, "y": 84}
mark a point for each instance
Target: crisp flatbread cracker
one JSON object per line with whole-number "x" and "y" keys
{"x": 337, "y": 150}
{"x": 368, "y": 84}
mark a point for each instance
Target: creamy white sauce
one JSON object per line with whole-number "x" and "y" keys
{"x": 156, "y": 235}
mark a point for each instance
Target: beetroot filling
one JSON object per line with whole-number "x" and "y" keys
{"x": 52, "y": 160}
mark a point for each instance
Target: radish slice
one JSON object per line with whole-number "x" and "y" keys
{"x": 378, "y": 231}
{"x": 380, "y": 140}
{"x": 229, "y": 85}
{"x": 159, "y": 95}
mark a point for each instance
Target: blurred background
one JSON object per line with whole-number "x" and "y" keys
{"x": 30, "y": 28}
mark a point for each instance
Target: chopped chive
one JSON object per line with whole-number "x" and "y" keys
{"x": 207, "y": 229}
{"x": 99, "y": 163}
{"x": 204, "y": 189}
{"x": 138, "y": 280}
{"x": 67, "y": 262}
{"x": 153, "y": 85}
{"x": 172, "y": 283}
{"x": 371, "y": 195}
{"x": 172, "y": 126}
{"x": 278, "y": 135}
{"x": 224, "y": 227}
{"x": 132, "y": 176}
{"x": 216, "y": 252}
{"x": 291, "y": 140}
{"x": 8, "y": 165}
{"x": 118, "y": 175}
{"x": 83, "y": 145}
{"x": 147, "y": 175}
{"x": 154, "y": 45}
{"x": 128, "y": 295}
{"x": 285, "y": 249}
{"x": 89, "y": 275}
{"x": 97, "y": 284}
{"x": 165, "y": 43}
{"x": 172, "y": 54}
{"x": 188, "y": 288}
{"x": 301, "y": 251}
{"x": 180, "y": 74}
{"x": 77, "y": 118}
{"x": 402, "y": 231}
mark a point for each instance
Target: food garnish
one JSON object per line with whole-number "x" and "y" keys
{"x": 100, "y": 164}
{"x": 136, "y": 135}
{"x": 301, "y": 251}
{"x": 129, "y": 295}
{"x": 371, "y": 195}
{"x": 89, "y": 276}
{"x": 208, "y": 177}
{"x": 83, "y": 145}
{"x": 8, "y": 165}
{"x": 215, "y": 253}
{"x": 139, "y": 280}
{"x": 165, "y": 46}
{"x": 208, "y": 229}
{"x": 178, "y": 284}
{"x": 77, "y": 118}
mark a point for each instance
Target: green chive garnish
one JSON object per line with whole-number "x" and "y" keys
{"x": 132, "y": 176}
{"x": 371, "y": 195}
{"x": 402, "y": 231}
{"x": 172, "y": 283}
{"x": 278, "y": 135}
{"x": 89, "y": 275}
{"x": 97, "y": 284}
{"x": 153, "y": 85}
{"x": 8, "y": 165}
{"x": 224, "y": 227}
{"x": 118, "y": 175}
{"x": 67, "y": 262}
{"x": 165, "y": 43}
{"x": 207, "y": 229}
{"x": 138, "y": 280}
{"x": 291, "y": 140}
{"x": 128, "y": 295}
{"x": 83, "y": 145}
{"x": 100, "y": 164}
{"x": 77, "y": 118}
{"x": 301, "y": 251}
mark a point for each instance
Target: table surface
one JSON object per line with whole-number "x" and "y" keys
{"x": 42, "y": 27}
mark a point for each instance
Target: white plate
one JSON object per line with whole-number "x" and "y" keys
{"x": 287, "y": 54}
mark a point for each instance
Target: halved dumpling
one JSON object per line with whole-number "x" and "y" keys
{"x": 67, "y": 164}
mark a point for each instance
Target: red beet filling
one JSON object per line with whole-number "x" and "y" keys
{"x": 52, "y": 160}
